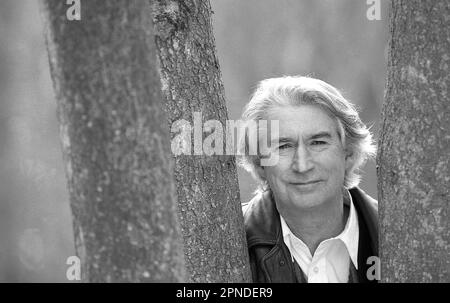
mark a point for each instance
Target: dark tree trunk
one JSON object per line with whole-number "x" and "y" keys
{"x": 413, "y": 155}
{"x": 115, "y": 141}
{"x": 207, "y": 186}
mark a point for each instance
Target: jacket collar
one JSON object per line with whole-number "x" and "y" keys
{"x": 262, "y": 220}
{"x": 263, "y": 226}
{"x": 367, "y": 209}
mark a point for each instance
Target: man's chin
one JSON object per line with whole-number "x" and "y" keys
{"x": 306, "y": 199}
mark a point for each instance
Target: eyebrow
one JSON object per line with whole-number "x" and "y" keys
{"x": 319, "y": 135}
{"x": 282, "y": 140}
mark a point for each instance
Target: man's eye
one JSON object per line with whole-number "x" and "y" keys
{"x": 316, "y": 142}
{"x": 284, "y": 146}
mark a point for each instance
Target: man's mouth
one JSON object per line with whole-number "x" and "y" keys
{"x": 307, "y": 182}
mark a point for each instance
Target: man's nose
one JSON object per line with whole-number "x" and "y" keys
{"x": 302, "y": 161}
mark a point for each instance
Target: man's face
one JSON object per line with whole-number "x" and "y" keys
{"x": 312, "y": 161}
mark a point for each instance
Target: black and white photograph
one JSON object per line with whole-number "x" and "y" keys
{"x": 235, "y": 143}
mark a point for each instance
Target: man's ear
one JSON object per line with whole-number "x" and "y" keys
{"x": 349, "y": 160}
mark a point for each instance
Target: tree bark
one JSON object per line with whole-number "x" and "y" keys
{"x": 413, "y": 155}
{"x": 115, "y": 141}
{"x": 207, "y": 186}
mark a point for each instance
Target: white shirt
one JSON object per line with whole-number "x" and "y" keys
{"x": 331, "y": 260}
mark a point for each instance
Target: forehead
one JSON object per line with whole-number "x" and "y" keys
{"x": 303, "y": 120}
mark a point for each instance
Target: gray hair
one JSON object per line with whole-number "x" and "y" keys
{"x": 295, "y": 90}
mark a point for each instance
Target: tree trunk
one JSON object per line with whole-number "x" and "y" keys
{"x": 413, "y": 155}
{"x": 207, "y": 186}
{"x": 115, "y": 141}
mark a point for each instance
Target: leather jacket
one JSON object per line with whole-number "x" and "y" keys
{"x": 270, "y": 259}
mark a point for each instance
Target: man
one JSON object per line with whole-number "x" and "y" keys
{"x": 309, "y": 222}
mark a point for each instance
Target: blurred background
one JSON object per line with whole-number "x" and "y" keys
{"x": 256, "y": 39}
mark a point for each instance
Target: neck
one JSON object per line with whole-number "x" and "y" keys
{"x": 314, "y": 225}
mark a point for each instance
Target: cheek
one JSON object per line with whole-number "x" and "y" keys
{"x": 333, "y": 163}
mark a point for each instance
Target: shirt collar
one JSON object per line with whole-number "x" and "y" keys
{"x": 349, "y": 236}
